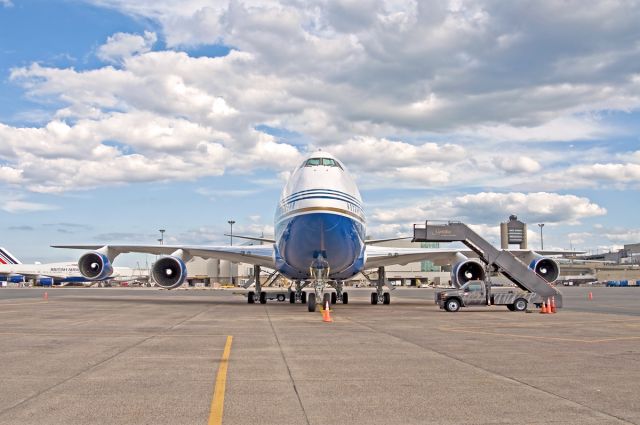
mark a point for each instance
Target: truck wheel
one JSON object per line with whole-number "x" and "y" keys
{"x": 281, "y": 297}
{"x": 345, "y": 298}
{"x": 511, "y": 307}
{"x": 263, "y": 297}
{"x": 520, "y": 304}
{"x": 452, "y": 305}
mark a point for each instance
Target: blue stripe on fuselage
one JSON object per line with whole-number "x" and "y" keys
{"x": 321, "y": 192}
{"x": 302, "y": 237}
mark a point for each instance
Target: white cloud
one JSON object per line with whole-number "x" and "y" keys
{"x": 491, "y": 207}
{"x": 517, "y": 164}
{"x": 15, "y": 203}
{"x": 369, "y": 81}
{"x": 121, "y": 46}
{"x": 622, "y": 235}
{"x": 611, "y": 172}
{"x": 6, "y": 3}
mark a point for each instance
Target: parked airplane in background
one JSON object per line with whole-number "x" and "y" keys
{"x": 12, "y": 270}
{"x": 320, "y": 230}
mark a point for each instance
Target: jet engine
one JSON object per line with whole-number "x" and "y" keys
{"x": 169, "y": 272}
{"x": 546, "y": 268}
{"x": 95, "y": 266}
{"x": 44, "y": 281}
{"x": 466, "y": 269}
{"x": 15, "y": 278}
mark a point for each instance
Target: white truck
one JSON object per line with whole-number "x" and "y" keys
{"x": 477, "y": 293}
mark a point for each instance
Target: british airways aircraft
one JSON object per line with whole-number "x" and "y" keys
{"x": 320, "y": 230}
{"x": 14, "y": 271}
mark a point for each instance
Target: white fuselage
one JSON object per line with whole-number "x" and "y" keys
{"x": 320, "y": 215}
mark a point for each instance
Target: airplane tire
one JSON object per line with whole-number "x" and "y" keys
{"x": 303, "y": 297}
{"x": 374, "y": 298}
{"x": 250, "y": 298}
{"x": 334, "y": 298}
{"x": 263, "y": 297}
{"x": 326, "y": 301}
{"x": 292, "y": 298}
{"x": 345, "y": 298}
{"x": 386, "y": 298}
{"x": 311, "y": 303}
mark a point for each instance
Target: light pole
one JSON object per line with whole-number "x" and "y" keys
{"x": 231, "y": 223}
{"x": 541, "y": 239}
{"x": 161, "y": 240}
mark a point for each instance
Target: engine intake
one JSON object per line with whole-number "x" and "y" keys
{"x": 465, "y": 270}
{"x": 169, "y": 272}
{"x": 546, "y": 268}
{"x": 95, "y": 266}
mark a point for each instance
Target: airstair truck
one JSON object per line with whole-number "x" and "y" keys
{"x": 478, "y": 293}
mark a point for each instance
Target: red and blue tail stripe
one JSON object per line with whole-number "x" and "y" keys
{"x": 7, "y": 258}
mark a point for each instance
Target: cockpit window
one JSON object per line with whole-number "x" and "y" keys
{"x": 327, "y": 162}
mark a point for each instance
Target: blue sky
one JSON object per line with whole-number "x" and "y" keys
{"x": 120, "y": 118}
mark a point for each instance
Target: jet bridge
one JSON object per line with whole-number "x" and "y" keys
{"x": 510, "y": 266}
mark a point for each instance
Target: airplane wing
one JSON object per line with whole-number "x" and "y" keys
{"x": 253, "y": 238}
{"x": 260, "y": 255}
{"x": 378, "y": 256}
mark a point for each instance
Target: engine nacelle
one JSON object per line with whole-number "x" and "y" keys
{"x": 44, "y": 281}
{"x": 546, "y": 268}
{"x": 95, "y": 266}
{"x": 169, "y": 272}
{"x": 466, "y": 269}
{"x": 15, "y": 278}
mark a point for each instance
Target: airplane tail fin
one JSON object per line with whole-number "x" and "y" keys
{"x": 7, "y": 258}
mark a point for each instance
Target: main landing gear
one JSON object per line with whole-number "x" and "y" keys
{"x": 380, "y": 296}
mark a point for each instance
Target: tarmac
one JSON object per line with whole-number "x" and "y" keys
{"x": 146, "y": 356}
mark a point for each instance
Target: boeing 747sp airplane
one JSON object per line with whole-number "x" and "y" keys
{"x": 320, "y": 230}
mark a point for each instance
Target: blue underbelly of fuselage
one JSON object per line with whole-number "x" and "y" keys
{"x": 302, "y": 238}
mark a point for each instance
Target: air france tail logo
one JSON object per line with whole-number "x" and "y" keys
{"x": 7, "y": 258}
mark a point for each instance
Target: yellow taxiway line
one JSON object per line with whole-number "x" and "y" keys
{"x": 217, "y": 402}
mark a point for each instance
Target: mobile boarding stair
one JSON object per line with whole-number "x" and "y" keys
{"x": 510, "y": 266}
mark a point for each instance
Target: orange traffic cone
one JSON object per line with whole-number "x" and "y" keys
{"x": 590, "y": 296}
{"x": 46, "y": 296}
{"x": 326, "y": 315}
{"x": 553, "y": 304}
{"x": 544, "y": 310}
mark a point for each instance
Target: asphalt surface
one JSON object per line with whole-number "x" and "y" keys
{"x": 143, "y": 356}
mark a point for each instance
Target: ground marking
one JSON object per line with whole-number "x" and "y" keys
{"x": 217, "y": 402}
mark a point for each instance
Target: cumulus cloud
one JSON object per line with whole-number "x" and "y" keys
{"x": 122, "y": 45}
{"x": 517, "y": 164}
{"x": 408, "y": 94}
{"x": 492, "y": 207}
{"x": 17, "y": 204}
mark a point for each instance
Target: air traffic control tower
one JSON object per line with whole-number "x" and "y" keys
{"x": 514, "y": 232}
